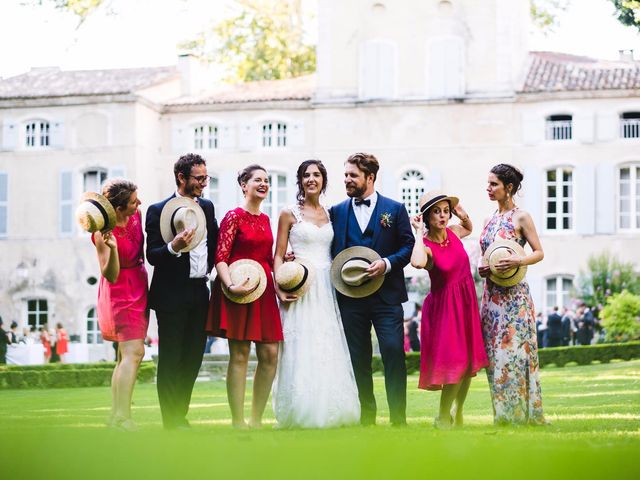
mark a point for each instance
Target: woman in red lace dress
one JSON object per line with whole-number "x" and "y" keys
{"x": 62, "y": 342}
{"x": 122, "y": 295}
{"x": 245, "y": 233}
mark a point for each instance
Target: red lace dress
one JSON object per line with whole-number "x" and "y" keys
{"x": 122, "y": 306}
{"x": 244, "y": 235}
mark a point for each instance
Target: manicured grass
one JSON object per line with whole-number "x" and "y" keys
{"x": 594, "y": 433}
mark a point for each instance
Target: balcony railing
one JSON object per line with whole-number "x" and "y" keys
{"x": 630, "y": 127}
{"x": 558, "y": 130}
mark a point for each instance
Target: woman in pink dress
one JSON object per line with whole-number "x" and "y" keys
{"x": 452, "y": 350}
{"x": 122, "y": 295}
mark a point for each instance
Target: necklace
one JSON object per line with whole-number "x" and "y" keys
{"x": 443, "y": 244}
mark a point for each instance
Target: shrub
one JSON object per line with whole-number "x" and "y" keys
{"x": 621, "y": 317}
{"x": 65, "y": 375}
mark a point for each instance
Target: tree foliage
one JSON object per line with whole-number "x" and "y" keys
{"x": 628, "y": 12}
{"x": 544, "y": 13}
{"x": 606, "y": 276}
{"x": 80, "y": 8}
{"x": 262, "y": 40}
{"x": 621, "y": 317}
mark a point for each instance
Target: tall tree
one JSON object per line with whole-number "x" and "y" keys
{"x": 545, "y": 13}
{"x": 260, "y": 40}
{"x": 628, "y": 12}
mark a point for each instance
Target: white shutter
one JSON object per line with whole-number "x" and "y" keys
{"x": 117, "y": 172}
{"x": 179, "y": 139}
{"x": 248, "y": 138}
{"x": 66, "y": 202}
{"x": 606, "y": 192}
{"x": 453, "y": 67}
{"x": 386, "y": 70}
{"x": 584, "y": 125}
{"x": 228, "y": 192}
{"x": 227, "y": 137}
{"x": 532, "y": 191}
{"x": 4, "y": 204}
{"x": 584, "y": 199}
{"x": 436, "y": 74}
{"x": 295, "y": 134}
{"x": 607, "y": 125}
{"x": 57, "y": 134}
{"x": 532, "y": 129}
{"x": 9, "y": 136}
{"x": 369, "y": 71}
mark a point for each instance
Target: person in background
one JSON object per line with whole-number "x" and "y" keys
{"x": 567, "y": 322}
{"x": 45, "y": 339}
{"x": 62, "y": 342}
{"x": 554, "y": 329}
{"x": 4, "y": 342}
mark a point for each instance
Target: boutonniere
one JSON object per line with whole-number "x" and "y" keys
{"x": 385, "y": 220}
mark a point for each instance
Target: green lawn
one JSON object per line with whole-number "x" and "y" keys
{"x": 594, "y": 433}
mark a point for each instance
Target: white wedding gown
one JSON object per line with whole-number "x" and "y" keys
{"x": 314, "y": 385}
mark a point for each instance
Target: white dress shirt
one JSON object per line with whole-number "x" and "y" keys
{"x": 197, "y": 256}
{"x": 363, "y": 216}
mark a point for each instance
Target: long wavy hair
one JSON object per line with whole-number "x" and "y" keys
{"x": 300, "y": 174}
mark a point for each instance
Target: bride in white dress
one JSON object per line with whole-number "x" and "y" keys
{"x": 314, "y": 386}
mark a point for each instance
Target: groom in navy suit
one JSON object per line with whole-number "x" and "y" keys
{"x": 368, "y": 219}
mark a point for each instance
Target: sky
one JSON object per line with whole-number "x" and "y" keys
{"x": 146, "y": 32}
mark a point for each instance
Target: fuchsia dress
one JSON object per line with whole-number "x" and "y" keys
{"x": 122, "y": 306}
{"x": 451, "y": 332}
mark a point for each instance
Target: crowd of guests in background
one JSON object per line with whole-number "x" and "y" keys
{"x": 55, "y": 342}
{"x": 564, "y": 327}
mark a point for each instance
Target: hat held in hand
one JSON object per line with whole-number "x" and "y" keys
{"x": 180, "y": 214}
{"x": 249, "y": 273}
{"x": 295, "y": 277}
{"x": 95, "y": 213}
{"x": 501, "y": 249}
{"x": 348, "y": 272}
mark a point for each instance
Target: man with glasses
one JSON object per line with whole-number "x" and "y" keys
{"x": 179, "y": 293}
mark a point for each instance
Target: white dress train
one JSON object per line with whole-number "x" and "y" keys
{"x": 314, "y": 386}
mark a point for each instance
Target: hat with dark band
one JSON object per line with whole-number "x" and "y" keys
{"x": 295, "y": 277}
{"x": 249, "y": 272}
{"x": 348, "y": 272}
{"x": 179, "y": 214}
{"x": 95, "y": 213}
{"x": 429, "y": 199}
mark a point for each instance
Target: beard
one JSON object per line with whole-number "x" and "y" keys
{"x": 356, "y": 192}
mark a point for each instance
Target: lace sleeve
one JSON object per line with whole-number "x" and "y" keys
{"x": 228, "y": 230}
{"x": 295, "y": 210}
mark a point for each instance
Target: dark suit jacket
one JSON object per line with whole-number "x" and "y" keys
{"x": 169, "y": 285}
{"x": 394, "y": 243}
{"x": 554, "y": 326}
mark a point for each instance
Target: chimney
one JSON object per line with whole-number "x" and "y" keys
{"x": 626, "y": 55}
{"x": 190, "y": 74}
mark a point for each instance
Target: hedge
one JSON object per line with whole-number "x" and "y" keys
{"x": 66, "y": 375}
{"x": 559, "y": 356}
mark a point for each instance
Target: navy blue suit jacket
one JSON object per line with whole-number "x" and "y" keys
{"x": 394, "y": 243}
{"x": 168, "y": 290}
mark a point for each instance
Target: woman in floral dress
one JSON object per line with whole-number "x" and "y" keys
{"x": 508, "y": 316}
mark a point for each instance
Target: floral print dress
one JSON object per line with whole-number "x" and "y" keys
{"x": 509, "y": 330}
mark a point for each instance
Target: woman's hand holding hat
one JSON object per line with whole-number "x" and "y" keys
{"x": 242, "y": 289}
{"x": 508, "y": 263}
{"x": 284, "y": 296}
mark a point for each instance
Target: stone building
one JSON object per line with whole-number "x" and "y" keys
{"x": 439, "y": 91}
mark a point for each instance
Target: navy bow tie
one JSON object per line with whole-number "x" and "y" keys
{"x": 359, "y": 201}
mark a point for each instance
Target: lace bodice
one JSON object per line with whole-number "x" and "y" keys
{"x": 309, "y": 241}
{"x": 244, "y": 235}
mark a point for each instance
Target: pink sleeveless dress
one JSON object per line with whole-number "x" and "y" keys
{"x": 451, "y": 345}
{"x": 122, "y": 306}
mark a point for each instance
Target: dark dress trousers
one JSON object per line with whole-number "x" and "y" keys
{"x": 383, "y": 309}
{"x": 181, "y": 304}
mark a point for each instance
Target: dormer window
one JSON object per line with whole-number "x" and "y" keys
{"x": 274, "y": 135}
{"x": 559, "y": 127}
{"x": 630, "y": 125}
{"x": 37, "y": 134}
{"x": 205, "y": 137}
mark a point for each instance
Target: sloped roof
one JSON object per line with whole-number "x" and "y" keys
{"x": 53, "y": 82}
{"x": 555, "y": 72}
{"x": 300, "y": 88}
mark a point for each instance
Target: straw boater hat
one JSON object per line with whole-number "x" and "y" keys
{"x": 95, "y": 213}
{"x": 348, "y": 272}
{"x": 295, "y": 277}
{"x": 240, "y": 271}
{"x": 497, "y": 251}
{"x": 429, "y": 199}
{"x": 179, "y": 214}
